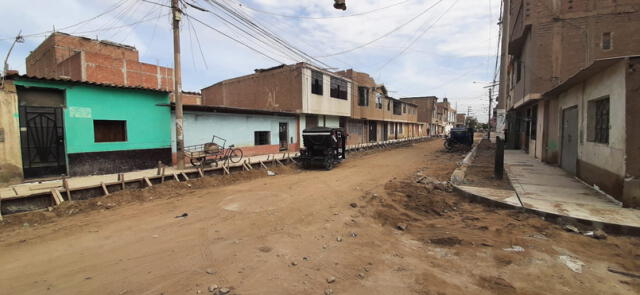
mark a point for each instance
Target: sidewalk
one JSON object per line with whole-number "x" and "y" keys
{"x": 548, "y": 189}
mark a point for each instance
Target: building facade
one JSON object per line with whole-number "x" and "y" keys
{"x": 375, "y": 116}
{"x": 590, "y": 130}
{"x": 427, "y": 112}
{"x": 445, "y": 117}
{"x": 73, "y": 128}
{"x": 546, "y": 42}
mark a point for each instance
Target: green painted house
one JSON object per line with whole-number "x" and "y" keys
{"x": 83, "y": 128}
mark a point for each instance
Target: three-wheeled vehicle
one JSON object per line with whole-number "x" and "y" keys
{"x": 459, "y": 139}
{"x": 323, "y": 146}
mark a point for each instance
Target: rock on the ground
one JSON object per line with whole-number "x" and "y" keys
{"x": 223, "y": 291}
{"x": 354, "y": 205}
{"x": 571, "y": 228}
{"x": 401, "y": 226}
{"x": 339, "y": 239}
{"x": 331, "y": 280}
{"x": 361, "y": 275}
{"x": 210, "y": 271}
{"x": 599, "y": 234}
{"x": 328, "y": 291}
{"x": 271, "y": 173}
{"x": 213, "y": 288}
{"x": 572, "y": 263}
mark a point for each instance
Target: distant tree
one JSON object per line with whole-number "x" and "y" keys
{"x": 472, "y": 123}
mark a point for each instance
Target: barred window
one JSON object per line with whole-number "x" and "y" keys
{"x": 598, "y": 120}
{"x": 606, "y": 40}
{"x": 379, "y": 100}
{"x": 338, "y": 88}
{"x": 316, "y": 82}
{"x": 363, "y": 96}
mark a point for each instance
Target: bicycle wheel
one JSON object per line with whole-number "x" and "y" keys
{"x": 235, "y": 156}
{"x": 197, "y": 161}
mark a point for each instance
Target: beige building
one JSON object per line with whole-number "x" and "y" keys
{"x": 590, "y": 129}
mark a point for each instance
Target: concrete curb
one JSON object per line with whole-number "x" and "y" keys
{"x": 457, "y": 177}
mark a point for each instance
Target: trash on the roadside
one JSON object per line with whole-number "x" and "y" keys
{"x": 572, "y": 263}
{"x": 184, "y": 215}
{"x": 596, "y": 234}
{"x": 271, "y": 173}
{"x": 514, "y": 248}
{"x": 401, "y": 226}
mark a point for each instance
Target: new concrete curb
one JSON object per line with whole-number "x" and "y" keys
{"x": 457, "y": 177}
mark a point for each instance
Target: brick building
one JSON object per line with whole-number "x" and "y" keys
{"x": 445, "y": 117}
{"x": 375, "y": 116}
{"x": 544, "y": 43}
{"x": 426, "y": 112}
{"x": 83, "y": 59}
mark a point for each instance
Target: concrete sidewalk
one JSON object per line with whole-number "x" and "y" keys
{"x": 549, "y": 189}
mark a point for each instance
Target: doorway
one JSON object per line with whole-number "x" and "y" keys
{"x": 283, "y": 135}
{"x": 569, "y": 152}
{"x": 42, "y": 141}
{"x": 385, "y": 129}
{"x": 373, "y": 131}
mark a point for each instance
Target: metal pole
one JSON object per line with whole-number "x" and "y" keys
{"x": 177, "y": 78}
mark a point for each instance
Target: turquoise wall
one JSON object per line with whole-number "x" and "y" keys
{"x": 238, "y": 129}
{"x": 148, "y": 125}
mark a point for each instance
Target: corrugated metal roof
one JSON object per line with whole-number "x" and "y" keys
{"x": 30, "y": 77}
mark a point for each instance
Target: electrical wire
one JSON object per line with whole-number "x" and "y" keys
{"x": 240, "y": 4}
{"x": 385, "y": 34}
{"x": 418, "y": 37}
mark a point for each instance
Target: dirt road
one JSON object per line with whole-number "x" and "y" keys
{"x": 290, "y": 233}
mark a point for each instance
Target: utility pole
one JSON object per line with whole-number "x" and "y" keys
{"x": 177, "y": 79}
{"x": 489, "y": 121}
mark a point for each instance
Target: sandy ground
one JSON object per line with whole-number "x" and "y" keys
{"x": 288, "y": 234}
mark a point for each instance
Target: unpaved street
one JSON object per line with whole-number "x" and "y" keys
{"x": 289, "y": 233}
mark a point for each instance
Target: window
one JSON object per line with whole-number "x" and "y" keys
{"x": 262, "y": 137}
{"x": 338, "y": 88}
{"x": 404, "y": 108}
{"x": 363, "y": 95}
{"x": 109, "y": 130}
{"x": 388, "y": 105}
{"x": 606, "y": 40}
{"x": 316, "y": 82}
{"x": 598, "y": 120}
{"x": 379, "y": 100}
{"x": 397, "y": 108}
{"x": 400, "y": 127}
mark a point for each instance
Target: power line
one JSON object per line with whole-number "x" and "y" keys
{"x": 232, "y": 38}
{"x": 321, "y": 17}
{"x": 418, "y": 37}
{"x": 116, "y": 6}
{"x": 385, "y": 34}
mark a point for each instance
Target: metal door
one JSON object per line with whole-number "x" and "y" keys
{"x": 385, "y": 129}
{"x": 373, "y": 131}
{"x": 284, "y": 136}
{"x": 569, "y": 154}
{"x": 42, "y": 141}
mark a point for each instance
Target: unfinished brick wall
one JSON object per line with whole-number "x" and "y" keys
{"x": 84, "y": 59}
{"x": 273, "y": 90}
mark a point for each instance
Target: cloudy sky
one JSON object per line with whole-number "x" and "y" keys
{"x": 414, "y": 47}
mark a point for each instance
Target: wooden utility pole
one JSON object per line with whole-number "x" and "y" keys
{"x": 489, "y": 121}
{"x": 177, "y": 79}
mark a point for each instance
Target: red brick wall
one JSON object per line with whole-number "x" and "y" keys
{"x": 273, "y": 90}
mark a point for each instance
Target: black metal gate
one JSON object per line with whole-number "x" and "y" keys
{"x": 42, "y": 141}
{"x": 284, "y": 136}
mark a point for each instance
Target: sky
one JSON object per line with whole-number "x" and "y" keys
{"x": 413, "y": 47}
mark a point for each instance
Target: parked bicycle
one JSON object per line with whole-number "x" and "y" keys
{"x": 213, "y": 152}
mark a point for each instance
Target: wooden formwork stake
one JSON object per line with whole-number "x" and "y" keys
{"x": 176, "y": 178}
{"x": 263, "y": 165}
{"x": 201, "y": 172}
{"x": 67, "y": 189}
{"x": 278, "y": 161}
{"x": 159, "y": 167}
{"x": 186, "y": 178}
{"x": 104, "y": 189}
{"x": 147, "y": 181}
{"x": 121, "y": 180}
{"x": 292, "y": 160}
{"x": 162, "y": 176}
{"x": 57, "y": 197}
{"x": 226, "y": 170}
